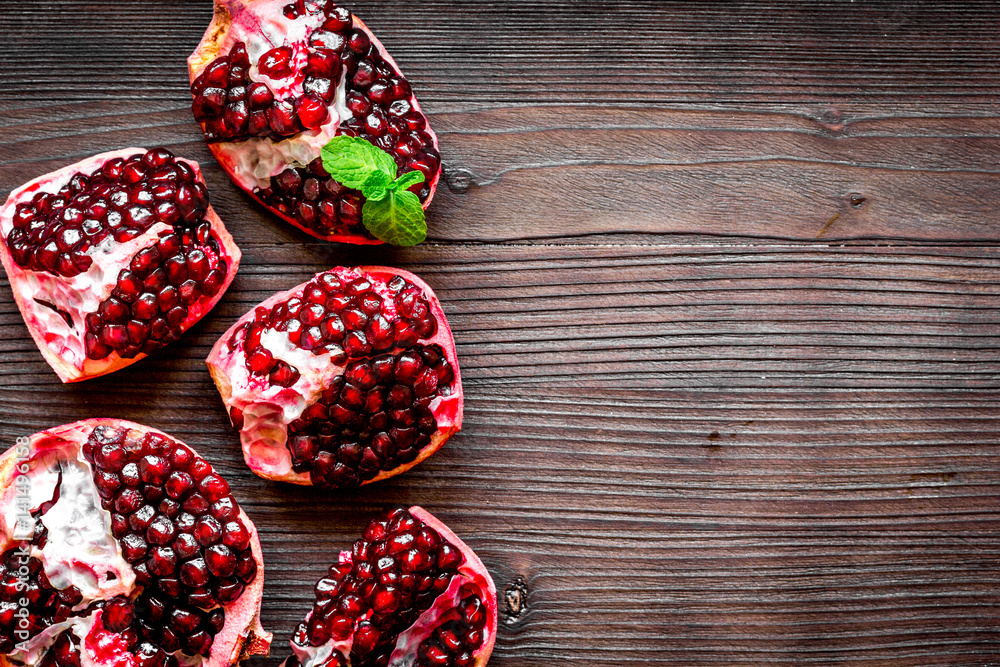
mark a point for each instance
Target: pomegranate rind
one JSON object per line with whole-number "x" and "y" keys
{"x": 61, "y": 345}
{"x": 218, "y": 41}
{"x": 242, "y": 635}
{"x": 475, "y": 572}
{"x": 264, "y": 448}
{"x": 472, "y": 571}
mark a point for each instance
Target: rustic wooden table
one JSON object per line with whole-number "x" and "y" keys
{"x": 724, "y": 281}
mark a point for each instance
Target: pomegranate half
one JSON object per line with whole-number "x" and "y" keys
{"x": 345, "y": 380}
{"x": 274, "y": 80}
{"x": 120, "y": 546}
{"x": 409, "y": 593}
{"x": 114, "y": 257}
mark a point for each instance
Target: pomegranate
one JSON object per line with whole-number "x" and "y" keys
{"x": 409, "y": 593}
{"x": 122, "y": 547}
{"x": 274, "y": 80}
{"x": 114, "y": 257}
{"x": 347, "y": 379}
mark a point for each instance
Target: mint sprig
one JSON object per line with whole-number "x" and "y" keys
{"x": 391, "y": 212}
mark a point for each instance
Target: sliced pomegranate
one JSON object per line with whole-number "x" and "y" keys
{"x": 121, "y": 546}
{"x": 408, "y": 593}
{"x": 273, "y": 81}
{"x": 114, "y": 257}
{"x": 347, "y": 379}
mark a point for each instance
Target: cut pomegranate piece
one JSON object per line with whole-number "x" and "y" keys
{"x": 408, "y": 593}
{"x": 114, "y": 257}
{"x": 273, "y": 81}
{"x": 104, "y": 561}
{"x": 347, "y": 379}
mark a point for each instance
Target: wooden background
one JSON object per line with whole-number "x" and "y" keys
{"x": 724, "y": 283}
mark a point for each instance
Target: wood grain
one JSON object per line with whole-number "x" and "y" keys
{"x": 725, "y": 284}
{"x": 633, "y": 51}
{"x": 632, "y": 174}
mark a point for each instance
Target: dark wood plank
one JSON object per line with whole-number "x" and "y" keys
{"x": 637, "y": 175}
{"x": 724, "y": 283}
{"x": 624, "y": 51}
{"x": 773, "y": 455}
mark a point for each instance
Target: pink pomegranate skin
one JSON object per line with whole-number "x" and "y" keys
{"x": 63, "y": 344}
{"x": 255, "y": 154}
{"x": 62, "y": 448}
{"x": 452, "y": 621}
{"x": 264, "y": 412}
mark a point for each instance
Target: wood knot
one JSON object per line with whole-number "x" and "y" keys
{"x": 515, "y": 596}
{"x": 833, "y": 120}
{"x": 459, "y": 179}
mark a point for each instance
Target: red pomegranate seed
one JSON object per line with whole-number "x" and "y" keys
{"x": 118, "y": 614}
{"x": 276, "y": 63}
{"x": 312, "y": 111}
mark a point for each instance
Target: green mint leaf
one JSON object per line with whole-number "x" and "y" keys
{"x": 351, "y": 160}
{"x": 398, "y": 219}
{"x": 408, "y": 180}
{"x": 376, "y": 186}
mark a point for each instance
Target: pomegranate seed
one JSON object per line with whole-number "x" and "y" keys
{"x": 236, "y": 536}
{"x": 283, "y": 375}
{"x": 118, "y": 614}
{"x": 321, "y": 88}
{"x": 259, "y": 96}
{"x": 229, "y": 590}
{"x": 195, "y": 573}
{"x": 186, "y": 546}
{"x": 220, "y": 560}
{"x": 323, "y": 63}
{"x": 358, "y": 104}
{"x": 380, "y": 92}
{"x": 260, "y": 361}
{"x": 282, "y": 119}
{"x": 358, "y": 42}
{"x": 365, "y": 74}
{"x": 179, "y": 484}
{"x": 338, "y": 20}
{"x": 213, "y": 487}
{"x": 161, "y": 531}
{"x": 290, "y": 181}
{"x": 312, "y": 111}
{"x": 276, "y": 63}
{"x": 154, "y": 470}
{"x": 235, "y": 116}
{"x": 246, "y": 568}
{"x": 238, "y": 55}
{"x": 217, "y": 74}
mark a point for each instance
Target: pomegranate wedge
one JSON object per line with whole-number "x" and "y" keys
{"x": 345, "y": 380}
{"x": 408, "y": 593}
{"x": 274, "y": 80}
{"x": 114, "y": 257}
{"x": 121, "y": 547}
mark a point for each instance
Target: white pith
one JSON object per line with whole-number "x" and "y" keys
{"x": 409, "y": 641}
{"x": 263, "y": 403}
{"x": 256, "y": 160}
{"x": 404, "y": 654}
{"x": 81, "y": 550}
{"x": 83, "y": 293}
{"x": 80, "y": 543}
{"x": 267, "y": 410}
{"x": 63, "y": 344}
{"x": 31, "y": 651}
